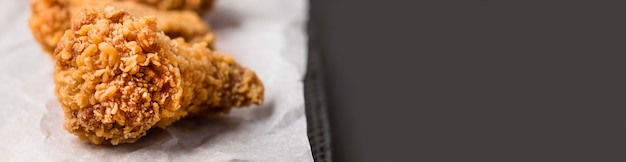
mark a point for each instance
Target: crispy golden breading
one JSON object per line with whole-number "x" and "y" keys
{"x": 199, "y": 6}
{"x": 116, "y": 77}
{"x": 50, "y": 18}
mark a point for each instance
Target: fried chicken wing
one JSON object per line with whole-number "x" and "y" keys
{"x": 117, "y": 76}
{"x": 50, "y": 18}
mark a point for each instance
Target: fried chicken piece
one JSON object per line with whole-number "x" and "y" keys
{"x": 117, "y": 76}
{"x": 50, "y": 18}
{"x": 199, "y": 6}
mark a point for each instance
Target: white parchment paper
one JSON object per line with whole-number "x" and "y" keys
{"x": 267, "y": 36}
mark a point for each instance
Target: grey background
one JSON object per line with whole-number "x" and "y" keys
{"x": 473, "y": 80}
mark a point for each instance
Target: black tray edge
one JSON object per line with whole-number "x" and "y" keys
{"x": 316, "y": 106}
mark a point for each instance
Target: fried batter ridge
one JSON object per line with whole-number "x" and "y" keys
{"x": 199, "y": 6}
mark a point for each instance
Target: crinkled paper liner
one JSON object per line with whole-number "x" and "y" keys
{"x": 266, "y": 36}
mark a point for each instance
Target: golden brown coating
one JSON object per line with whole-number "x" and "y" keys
{"x": 50, "y": 18}
{"x": 199, "y": 6}
{"x": 116, "y": 77}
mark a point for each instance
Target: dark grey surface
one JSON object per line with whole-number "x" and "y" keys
{"x": 474, "y": 80}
